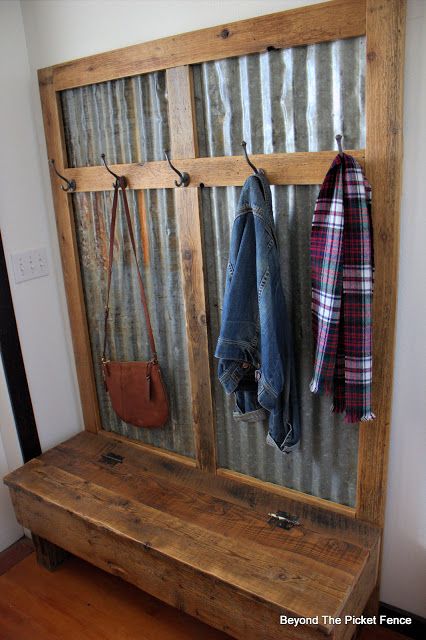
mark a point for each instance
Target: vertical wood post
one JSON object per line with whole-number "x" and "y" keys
{"x": 49, "y": 555}
{"x": 69, "y": 254}
{"x": 385, "y": 29}
{"x": 184, "y": 145}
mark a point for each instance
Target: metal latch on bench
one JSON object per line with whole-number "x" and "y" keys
{"x": 283, "y": 520}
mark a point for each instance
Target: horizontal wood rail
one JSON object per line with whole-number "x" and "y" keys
{"x": 323, "y": 22}
{"x": 280, "y": 168}
{"x": 285, "y": 492}
{"x": 245, "y": 482}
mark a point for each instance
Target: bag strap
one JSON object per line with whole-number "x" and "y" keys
{"x": 122, "y": 184}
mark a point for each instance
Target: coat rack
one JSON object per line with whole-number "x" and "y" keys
{"x": 102, "y": 535}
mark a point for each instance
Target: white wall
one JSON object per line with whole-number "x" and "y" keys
{"x": 26, "y": 222}
{"x": 10, "y": 458}
{"x": 404, "y": 575}
{"x": 65, "y": 29}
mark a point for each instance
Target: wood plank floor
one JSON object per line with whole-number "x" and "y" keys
{"x": 81, "y": 601}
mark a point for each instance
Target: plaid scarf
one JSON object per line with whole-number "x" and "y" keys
{"x": 342, "y": 289}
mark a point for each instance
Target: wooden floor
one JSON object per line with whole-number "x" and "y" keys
{"x": 79, "y": 601}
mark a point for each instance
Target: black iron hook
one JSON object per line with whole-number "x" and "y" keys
{"x": 249, "y": 162}
{"x": 339, "y": 144}
{"x": 184, "y": 177}
{"x": 120, "y": 179}
{"x": 71, "y": 185}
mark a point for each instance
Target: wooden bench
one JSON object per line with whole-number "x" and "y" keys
{"x": 197, "y": 541}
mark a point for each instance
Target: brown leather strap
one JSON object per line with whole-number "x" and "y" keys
{"x": 121, "y": 184}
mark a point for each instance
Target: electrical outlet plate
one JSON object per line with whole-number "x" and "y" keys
{"x": 30, "y": 264}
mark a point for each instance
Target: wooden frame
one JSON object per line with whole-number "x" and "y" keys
{"x": 383, "y": 23}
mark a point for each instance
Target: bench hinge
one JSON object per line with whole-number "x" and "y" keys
{"x": 283, "y": 519}
{"x": 111, "y": 458}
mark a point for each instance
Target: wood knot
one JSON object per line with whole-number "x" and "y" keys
{"x": 187, "y": 254}
{"x": 225, "y": 33}
{"x": 384, "y": 236}
{"x": 371, "y": 55}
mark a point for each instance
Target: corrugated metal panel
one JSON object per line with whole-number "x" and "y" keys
{"x": 127, "y": 119}
{"x": 281, "y": 101}
{"x": 127, "y": 337}
{"x": 325, "y": 463}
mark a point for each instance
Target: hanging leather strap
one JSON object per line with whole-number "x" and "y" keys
{"x": 122, "y": 184}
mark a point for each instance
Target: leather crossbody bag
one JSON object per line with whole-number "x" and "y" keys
{"x": 136, "y": 389}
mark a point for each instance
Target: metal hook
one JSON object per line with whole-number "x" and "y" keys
{"x": 249, "y": 162}
{"x": 120, "y": 179}
{"x": 184, "y": 177}
{"x": 71, "y": 185}
{"x": 339, "y": 144}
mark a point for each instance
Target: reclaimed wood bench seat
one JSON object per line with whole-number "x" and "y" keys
{"x": 196, "y": 541}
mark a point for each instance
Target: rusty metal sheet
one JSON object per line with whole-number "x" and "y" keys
{"x": 281, "y": 101}
{"x": 154, "y": 223}
{"x": 127, "y": 119}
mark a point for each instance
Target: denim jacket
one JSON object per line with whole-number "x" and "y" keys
{"x": 255, "y": 345}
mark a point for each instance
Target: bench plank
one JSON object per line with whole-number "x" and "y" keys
{"x": 196, "y": 545}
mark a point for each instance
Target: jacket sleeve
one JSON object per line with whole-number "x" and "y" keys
{"x": 238, "y": 333}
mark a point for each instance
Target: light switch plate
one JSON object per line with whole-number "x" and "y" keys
{"x": 30, "y": 264}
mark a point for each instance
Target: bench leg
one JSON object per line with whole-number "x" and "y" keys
{"x": 372, "y": 606}
{"x": 48, "y": 554}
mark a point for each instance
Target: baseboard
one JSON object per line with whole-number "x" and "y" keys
{"x": 415, "y": 630}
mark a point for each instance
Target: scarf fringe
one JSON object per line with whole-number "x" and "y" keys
{"x": 325, "y": 387}
{"x": 353, "y": 418}
{"x": 368, "y": 416}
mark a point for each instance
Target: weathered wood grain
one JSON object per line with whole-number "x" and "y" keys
{"x": 383, "y": 155}
{"x": 85, "y": 448}
{"x": 69, "y": 255}
{"x": 184, "y": 553}
{"x": 385, "y": 27}
{"x": 223, "y": 171}
{"x": 49, "y": 555}
{"x": 284, "y": 492}
{"x": 317, "y": 23}
{"x": 184, "y": 143}
{"x": 200, "y": 507}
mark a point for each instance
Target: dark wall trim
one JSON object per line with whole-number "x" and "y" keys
{"x": 13, "y": 363}
{"x": 416, "y": 630}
